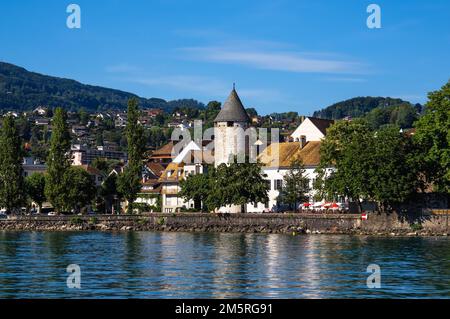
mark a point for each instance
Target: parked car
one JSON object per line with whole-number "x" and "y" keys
{"x": 3, "y": 216}
{"x": 52, "y": 214}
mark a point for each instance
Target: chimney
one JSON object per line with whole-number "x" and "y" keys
{"x": 302, "y": 141}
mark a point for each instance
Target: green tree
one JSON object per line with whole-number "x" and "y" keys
{"x": 81, "y": 191}
{"x": 197, "y": 188}
{"x": 238, "y": 184}
{"x": 251, "y": 112}
{"x": 433, "y": 138}
{"x": 108, "y": 191}
{"x": 379, "y": 166}
{"x": 296, "y": 185}
{"x": 58, "y": 162}
{"x": 345, "y": 148}
{"x": 394, "y": 173}
{"x": 129, "y": 182}
{"x": 234, "y": 184}
{"x": 12, "y": 194}
{"x": 35, "y": 186}
{"x": 406, "y": 115}
{"x": 377, "y": 117}
{"x": 83, "y": 116}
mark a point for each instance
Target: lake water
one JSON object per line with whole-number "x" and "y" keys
{"x": 203, "y": 265}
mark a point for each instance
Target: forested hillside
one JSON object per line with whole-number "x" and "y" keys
{"x": 23, "y": 90}
{"x": 359, "y": 106}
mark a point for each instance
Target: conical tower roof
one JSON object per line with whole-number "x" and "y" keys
{"x": 233, "y": 110}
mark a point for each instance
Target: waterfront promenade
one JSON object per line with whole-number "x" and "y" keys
{"x": 429, "y": 223}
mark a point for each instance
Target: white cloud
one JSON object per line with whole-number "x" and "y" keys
{"x": 271, "y": 60}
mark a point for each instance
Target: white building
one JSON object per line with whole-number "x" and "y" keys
{"x": 313, "y": 129}
{"x": 277, "y": 159}
{"x": 31, "y": 165}
{"x": 190, "y": 161}
{"x": 41, "y": 110}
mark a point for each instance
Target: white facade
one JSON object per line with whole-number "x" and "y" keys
{"x": 275, "y": 176}
{"x": 229, "y": 140}
{"x": 309, "y": 130}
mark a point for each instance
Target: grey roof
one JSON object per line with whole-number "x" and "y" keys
{"x": 232, "y": 110}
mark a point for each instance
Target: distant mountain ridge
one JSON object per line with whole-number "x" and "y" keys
{"x": 23, "y": 90}
{"x": 360, "y": 106}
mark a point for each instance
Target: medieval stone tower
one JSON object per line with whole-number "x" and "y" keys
{"x": 229, "y": 137}
{"x": 229, "y": 126}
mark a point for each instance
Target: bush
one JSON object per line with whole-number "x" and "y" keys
{"x": 75, "y": 220}
{"x": 416, "y": 226}
{"x": 142, "y": 221}
{"x": 161, "y": 221}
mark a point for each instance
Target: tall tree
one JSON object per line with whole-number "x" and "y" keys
{"x": 58, "y": 161}
{"x": 108, "y": 192}
{"x": 81, "y": 191}
{"x": 296, "y": 185}
{"x": 345, "y": 148}
{"x": 379, "y": 166}
{"x": 35, "y": 186}
{"x": 394, "y": 173}
{"x": 129, "y": 182}
{"x": 12, "y": 194}
{"x": 433, "y": 137}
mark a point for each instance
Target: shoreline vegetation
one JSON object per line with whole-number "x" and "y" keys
{"x": 378, "y": 224}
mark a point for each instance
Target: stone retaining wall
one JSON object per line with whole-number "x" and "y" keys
{"x": 378, "y": 224}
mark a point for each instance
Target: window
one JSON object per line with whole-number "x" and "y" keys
{"x": 278, "y": 184}
{"x": 269, "y": 184}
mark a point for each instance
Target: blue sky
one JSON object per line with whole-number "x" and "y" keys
{"x": 283, "y": 55}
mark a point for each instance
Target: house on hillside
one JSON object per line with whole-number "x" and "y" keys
{"x": 163, "y": 155}
{"x": 83, "y": 155}
{"x": 31, "y": 165}
{"x": 40, "y": 110}
{"x": 192, "y": 160}
{"x": 313, "y": 129}
{"x": 151, "y": 186}
{"x": 96, "y": 175}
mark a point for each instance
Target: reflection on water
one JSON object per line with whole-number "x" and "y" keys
{"x": 200, "y": 265}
